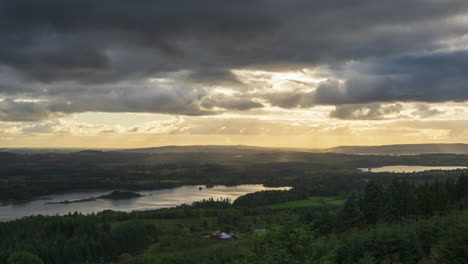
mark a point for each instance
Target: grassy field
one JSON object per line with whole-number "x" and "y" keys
{"x": 311, "y": 201}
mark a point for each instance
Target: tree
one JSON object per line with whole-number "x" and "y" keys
{"x": 287, "y": 245}
{"x": 425, "y": 197}
{"x": 350, "y": 216}
{"x": 453, "y": 248}
{"x": 374, "y": 202}
{"x": 462, "y": 186}
{"x": 402, "y": 200}
{"x": 24, "y": 258}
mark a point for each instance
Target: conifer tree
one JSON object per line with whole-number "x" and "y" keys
{"x": 373, "y": 202}
{"x": 350, "y": 215}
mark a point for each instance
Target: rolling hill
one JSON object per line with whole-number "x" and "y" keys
{"x": 406, "y": 149}
{"x": 402, "y": 149}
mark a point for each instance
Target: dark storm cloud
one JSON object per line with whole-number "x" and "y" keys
{"x": 431, "y": 78}
{"x": 134, "y": 97}
{"x": 54, "y": 39}
{"x": 14, "y": 111}
{"x": 215, "y": 77}
{"x": 81, "y": 40}
{"x": 91, "y": 55}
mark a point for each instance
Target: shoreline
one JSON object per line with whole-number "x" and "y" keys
{"x": 44, "y": 197}
{"x": 72, "y": 204}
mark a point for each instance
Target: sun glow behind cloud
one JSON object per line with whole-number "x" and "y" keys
{"x": 273, "y": 73}
{"x": 303, "y": 128}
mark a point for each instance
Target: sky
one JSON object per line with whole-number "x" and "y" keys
{"x": 296, "y": 73}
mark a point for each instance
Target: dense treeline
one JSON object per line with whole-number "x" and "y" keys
{"x": 401, "y": 228}
{"x": 110, "y": 236}
{"x": 263, "y": 198}
{"x": 401, "y": 196}
{"x": 402, "y": 199}
{"x": 440, "y": 239}
{"x": 73, "y": 239}
{"x": 212, "y": 203}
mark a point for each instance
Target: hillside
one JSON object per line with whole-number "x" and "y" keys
{"x": 403, "y": 149}
{"x": 213, "y": 148}
{"x": 406, "y": 149}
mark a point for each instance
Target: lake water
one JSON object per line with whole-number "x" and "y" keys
{"x": 154, "y": 199}
{"x": 404, "y": 168}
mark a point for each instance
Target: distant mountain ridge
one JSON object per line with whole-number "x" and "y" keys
{"x": 402, "y": 149}
{"x": 213, "y": 148}
{"x": 40, "y": 150}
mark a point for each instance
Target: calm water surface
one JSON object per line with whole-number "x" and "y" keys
{"x": 153, "y": 200}
{"x": 404, "y": 168}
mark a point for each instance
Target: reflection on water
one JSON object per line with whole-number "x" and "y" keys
{"x": 152, "y": 200}
{"x": 404, "y": 168}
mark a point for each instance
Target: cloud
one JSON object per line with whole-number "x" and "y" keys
{"x": 170, "y": 57}
{"x": 50, "y": 40}
{"x": 382, "y": 111}
{"x": 291, "y": 99}
{"x": 437, "y": 77}
{"x": 143, "y": 97}
{"x": 11, "y": 110}
{"x": 365, "y": 112}
{"x": 227, "y": 102}
{"x": 425, "y": 111}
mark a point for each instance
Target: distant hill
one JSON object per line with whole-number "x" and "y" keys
{"x": 406, "y": 149}
{"x": 49, "y": 150}
{"x": 403, "y": 149}
{"x": 212, "y": 148}
{"x": 39, "y": 150}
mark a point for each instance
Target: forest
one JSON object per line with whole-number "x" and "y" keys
{"x": 400, "y": 221}
{"x": 24, "y": 176}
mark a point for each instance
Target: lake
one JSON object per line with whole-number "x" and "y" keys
{"x": 153, "y": 199}
{"x": 405, "y": 168}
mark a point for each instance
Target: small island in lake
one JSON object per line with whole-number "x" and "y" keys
{"x": 118, "y": 195}
{"x": 115, "y": 195}
{"x": 91, "y": 199}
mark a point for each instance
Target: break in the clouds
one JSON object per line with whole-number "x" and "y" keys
{"x": 366, "y": 60}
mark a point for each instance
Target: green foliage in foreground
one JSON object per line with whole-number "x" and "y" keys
{"x": 24, "y": 258}
{"x": 72, "y": 239}
{"x": 311, "y": 201}
{"x": 440, "y": 239}
{"x": 436, "y": 240}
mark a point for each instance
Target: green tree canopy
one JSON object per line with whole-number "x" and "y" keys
{"x": 24, "y": 258}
